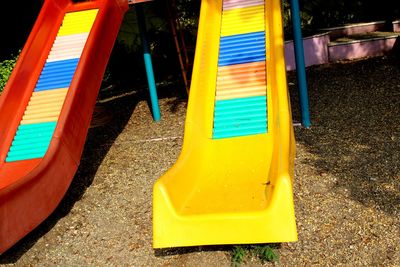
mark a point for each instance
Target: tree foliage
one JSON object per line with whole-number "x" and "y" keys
{"x": 6, "y": 68}
{"x": 329, "y": 13}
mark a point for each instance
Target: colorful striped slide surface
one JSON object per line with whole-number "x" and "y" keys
{"x": 36, "y": 128}
{"x": 240, "y": 102}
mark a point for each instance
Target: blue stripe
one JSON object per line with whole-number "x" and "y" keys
{"x": 53, "y": 71}
{"x": 49, "y": 80}
{"x": 51, "y": 86}
{"x": 259, "y": 48}
{"x": 57, "y": 74}
{"x": 242, "y": 37}
{"x": 241, "y": 60}
{"x": 240, "y": 117}
{"x": 61, "y": 64}
{"x": 242, "y": 48}
{"x": 52, "y": 75}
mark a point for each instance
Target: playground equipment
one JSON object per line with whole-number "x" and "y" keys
{"x": 232, "y": 183}
{"x": 300, "y": 63}
{"x": 46, "y": 108}
{"x": 185, "y": 61}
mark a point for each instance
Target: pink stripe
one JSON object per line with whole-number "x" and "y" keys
{"x": 231, "y": 4}
{"x": 233, "y": 1}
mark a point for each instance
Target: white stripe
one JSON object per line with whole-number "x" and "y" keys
{"x": 67, "y": 47}
{"x": 79, "y": 36}
{"x": 64, "y": 57}
{"x": 69, "y": 44}
{"x": 62, "y": 51}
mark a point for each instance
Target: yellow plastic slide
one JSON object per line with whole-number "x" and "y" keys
{"x": 232, "y": 183}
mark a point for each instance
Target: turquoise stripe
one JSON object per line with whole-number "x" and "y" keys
{"x": 36, "y": 127}
{"x": 243, "y": 105}
{"x": 240, "y": 117}
{"x": 29, "y": 138}
{"x": 243, "y": 111}
{"x": 233, "y": 133}
{"x": 228, "y": 122}
{"x": 26, "y": 157}
{"x": 31, "y": 141}
{"x": 241, "y": 101}
{"x": 27, "y": 151}
{"x": 30, "y": 144}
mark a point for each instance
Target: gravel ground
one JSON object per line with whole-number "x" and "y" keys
{"x": 347, "y": 188}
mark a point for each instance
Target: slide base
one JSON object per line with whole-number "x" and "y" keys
{"x": 274, "y": 224}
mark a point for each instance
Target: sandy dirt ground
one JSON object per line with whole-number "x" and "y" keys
{"x": 347, "y": 187}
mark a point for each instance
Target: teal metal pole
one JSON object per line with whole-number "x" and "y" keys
{"x": 148, "y": 64}
{"x": 300, "y": 64}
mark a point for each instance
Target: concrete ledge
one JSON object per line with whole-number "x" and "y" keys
{"x": 361, "y": 48}
{"x": 356, "y": 28}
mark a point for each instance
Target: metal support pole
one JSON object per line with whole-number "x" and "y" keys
{"x": 148, "y": 64}
{"x": 300, "y": 64}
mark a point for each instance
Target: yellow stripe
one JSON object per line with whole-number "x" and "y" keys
{"x": 80, "y": 13}
{"x": 41, "y": 110}
{"x": 42, "y": 115}
{"x": 243, "y": 20}
{"x": 44, "y": 104}
{"x": 78, "y": 22}
{"x": 49, "y": 94}
{"x": 48, "y": 97}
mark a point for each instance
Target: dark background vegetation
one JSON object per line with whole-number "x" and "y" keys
{"x": 126, "y": 64}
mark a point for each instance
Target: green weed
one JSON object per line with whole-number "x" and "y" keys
{"x": 265, "y": 253}
{"x": 6, "y": 68}
{"x": 238, "y": 254}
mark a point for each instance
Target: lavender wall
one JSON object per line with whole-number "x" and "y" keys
{"x": 319, "y": 50}
{"x": 315, "y": 51}
{"x": 396, "y": 26}
{"x": 367, "y": 48}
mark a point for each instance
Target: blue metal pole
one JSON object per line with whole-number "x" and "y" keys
{"x": 148, "y": 64}
{"x": 300, "y": 64}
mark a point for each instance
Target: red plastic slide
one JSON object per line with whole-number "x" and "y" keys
{"x": 46, "y": 108}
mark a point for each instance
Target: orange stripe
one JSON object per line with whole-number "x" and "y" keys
{"x": 254, "y": 66}
{"x": 241, "y": 80}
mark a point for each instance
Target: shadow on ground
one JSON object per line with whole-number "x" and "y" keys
{"x": 109, "y": 119}
{"x": 355, "y": 133}
{"x": 163, "y": 252}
